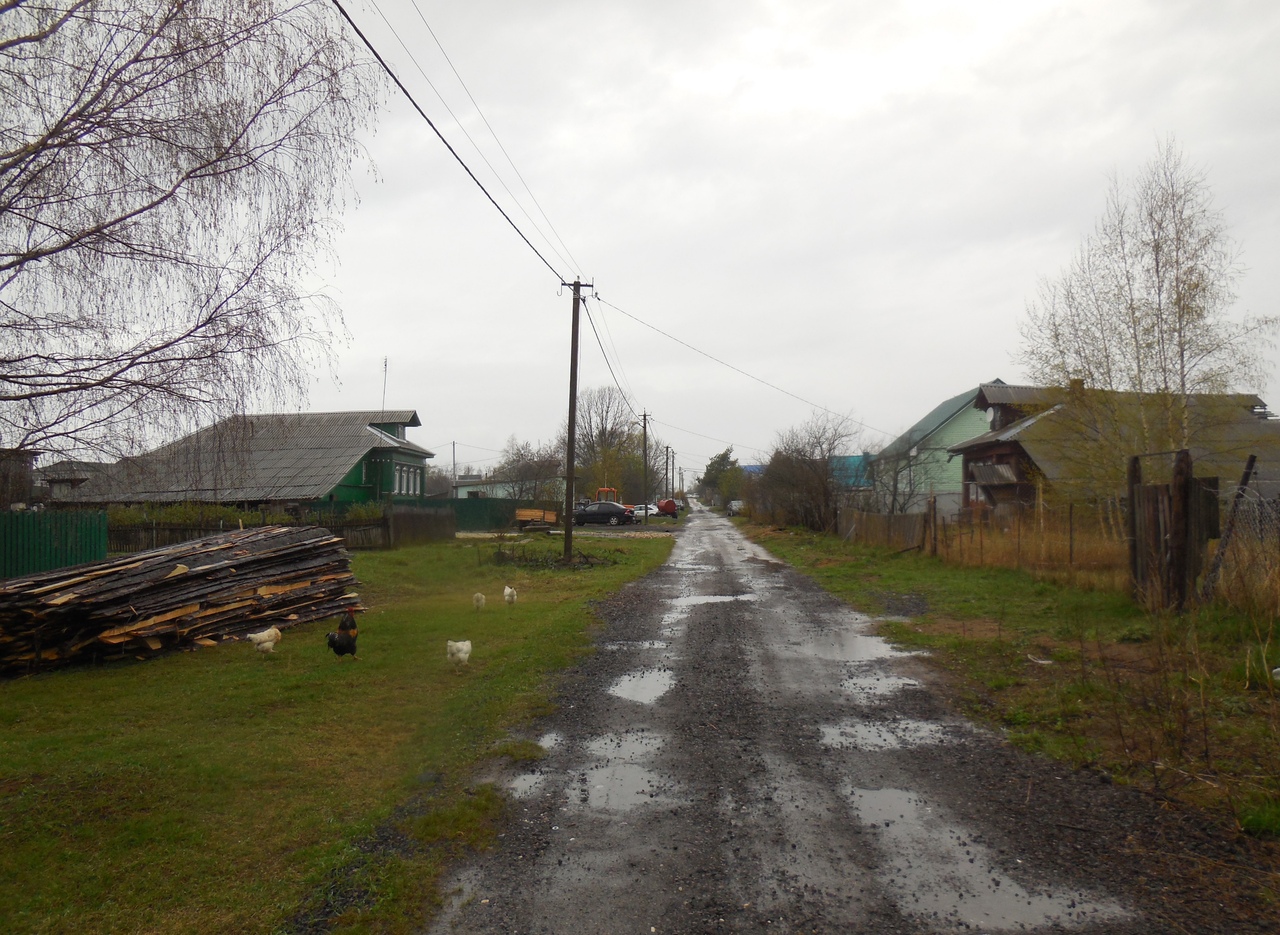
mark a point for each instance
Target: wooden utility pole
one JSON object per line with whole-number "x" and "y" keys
{"x": 570, "y": 453}
{"x": 644, "y": 458}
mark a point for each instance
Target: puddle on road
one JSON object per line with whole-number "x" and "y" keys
{"x": 550, "y": 740}
{"x": 526, "y": 784}
{"x": 694, "y": 600}
{"x": 645, "y": 686}
{"x": 882, "y": 735}
{"x": 844, "y": 646}
{"x": 631, "y": 745}
{"x": 621, "y": 787}
{"x": 635, "y": 644}
{"x": 875, "y": 686}
{"x": 936, "y": 872}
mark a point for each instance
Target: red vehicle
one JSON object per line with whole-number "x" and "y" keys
{"x": 668, "y": 508}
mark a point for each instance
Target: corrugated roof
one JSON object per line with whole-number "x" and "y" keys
{"x": 274, "y": 456}
{"x": 1007, "y": 394}
{"x": 939, "y": 416}
{"x": 993, "y": 473}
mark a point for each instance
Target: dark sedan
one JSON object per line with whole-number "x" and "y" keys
{"x": 605, "y": 511}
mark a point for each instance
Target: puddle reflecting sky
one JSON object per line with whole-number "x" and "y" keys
{"x": 846, "y": 645}
{"x": 693, "y": 600}
{"x": 882, "y": 735}
{"x": 620, "y": 787}
{"x": 869, "y": 686}
{"x": 937, "y": 872}
{"x": 526, "y": 784}
{"x": 645, "y": 686}
{"x": 631, "y": 745}
{"x": 636, "y": 644}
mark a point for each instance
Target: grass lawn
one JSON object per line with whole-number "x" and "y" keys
{"x": 223, "y": 791}
{"x": 1182, "y": 705}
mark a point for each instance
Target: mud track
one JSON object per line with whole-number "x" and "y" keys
{"x": 743, "y": 755}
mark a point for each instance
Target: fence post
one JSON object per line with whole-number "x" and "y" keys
{"x": 1071, "y": 533}
{"x": 1180, "y": 529}
{"x": 1134, "y": 478}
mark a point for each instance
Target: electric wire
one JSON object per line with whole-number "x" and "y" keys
{"x": 608, "y": 333}
{"x": 708, "y": 437}
{"x": 474, "y": 145}
{"x": 423, "y": 114}
{"x": 572, "y": 259}
{"x": 751, "y": 376}
{"x": 600, "y": 344}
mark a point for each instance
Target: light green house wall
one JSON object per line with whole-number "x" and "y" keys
{"x": 936, "y": 475}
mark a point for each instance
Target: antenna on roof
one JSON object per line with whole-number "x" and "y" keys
{"x": 384, "y": 389}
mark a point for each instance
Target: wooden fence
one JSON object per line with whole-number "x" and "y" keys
{"x": 897, "y": 531}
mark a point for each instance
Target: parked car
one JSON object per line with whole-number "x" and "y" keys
{"x": 640, "y": 509}
{"x": 605, "y": 511}
{"x": 735, "y": 507}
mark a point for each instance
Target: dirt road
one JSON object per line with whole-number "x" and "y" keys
{"x": 743, "y": 755}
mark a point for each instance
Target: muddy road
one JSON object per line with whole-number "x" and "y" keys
{"x": 742, "y": 754}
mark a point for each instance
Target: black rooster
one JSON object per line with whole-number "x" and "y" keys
{"x": 343, "y": 642}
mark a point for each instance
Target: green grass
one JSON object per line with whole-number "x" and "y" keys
{"x": 1179, "y": 704}
{"x": 220, "y": 791}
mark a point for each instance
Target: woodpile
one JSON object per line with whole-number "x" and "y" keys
{"x": 196, "y": 593}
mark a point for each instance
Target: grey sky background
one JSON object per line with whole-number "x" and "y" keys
{"x": 853, "y": 201}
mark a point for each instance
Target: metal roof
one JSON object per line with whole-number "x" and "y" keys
{"x": 993, "y": 473}
{"x": 1007, "y": 394}
{"x": 939, "y": 416}
{"x": 275, "y": 456}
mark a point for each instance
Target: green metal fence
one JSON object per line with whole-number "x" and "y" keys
{"x": 32, "y": 542}
{"x": 481, "y": 514}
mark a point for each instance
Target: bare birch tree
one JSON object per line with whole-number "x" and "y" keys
{"x": 1145, "y": 306}
{"x": 168, "y": 170}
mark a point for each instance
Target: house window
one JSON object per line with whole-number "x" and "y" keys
{"x": 417, "y": 482}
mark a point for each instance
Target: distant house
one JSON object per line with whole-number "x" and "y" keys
{"x": 59, "y": 480}
{"x": 477, "y": 486}
{"x": 1078, "y": 442}
{"x": 286, "y": 459}
{"x": 852, "y": 472}
{"x": 918, "y": 464}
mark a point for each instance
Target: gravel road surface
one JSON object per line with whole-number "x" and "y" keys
{"x": 742, "y": 754}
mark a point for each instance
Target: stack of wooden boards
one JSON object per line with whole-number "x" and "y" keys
{"x": 196, "y": 593}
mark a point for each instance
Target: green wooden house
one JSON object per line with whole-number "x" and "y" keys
{"x": 917, "y": 464}
{"x": 275, "y": 459}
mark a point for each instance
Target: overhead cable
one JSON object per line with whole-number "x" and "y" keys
{"x": 572, "y": 259}
{"x": 592, "y": 322}
{"x": 461, "y": 126}
{"x": 751, "y": 376}
{"x": 423, "y": 114}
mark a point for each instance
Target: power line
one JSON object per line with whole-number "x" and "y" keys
{"x": 573, "y": 260}
{"x": 592, "y": 322}
{"x": 751, "y": 376}
{"x": 461, "y": 126}
{"x": 423, "y": 114}
{"x": 708, "y": 437}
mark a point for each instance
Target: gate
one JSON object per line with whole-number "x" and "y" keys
{"x": 1170, "y": 526}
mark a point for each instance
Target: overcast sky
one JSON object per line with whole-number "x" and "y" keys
{"x": 850, "y": 200}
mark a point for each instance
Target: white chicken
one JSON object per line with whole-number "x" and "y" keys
{"x": 509, "y": 595}
{"x": 458, "y": 652}
{"x": 265, "y": 641}
{"x": 477, "y": 600}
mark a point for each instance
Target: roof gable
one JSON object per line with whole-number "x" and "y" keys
{"x": 939, "y": 416}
